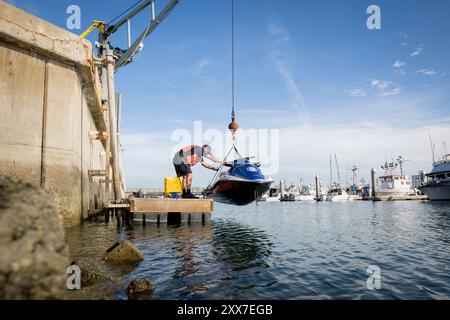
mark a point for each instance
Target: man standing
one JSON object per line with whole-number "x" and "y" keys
{"x": 187, "y": 157}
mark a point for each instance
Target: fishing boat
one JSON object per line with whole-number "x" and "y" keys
{"x": 242, "y": 184}
{"x": 273, "y": 195}
{"x": 394, "y": 183}
{"x": 437, "y": 186}
{"x": 337, "y": 193}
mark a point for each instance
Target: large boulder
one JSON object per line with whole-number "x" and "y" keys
{"x": 91, "y": 274}
{"x": 140, "y": 289}
{"x": 124, "y": 252}
{"x": 33, "y": 254}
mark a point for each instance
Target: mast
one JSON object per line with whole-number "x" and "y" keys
{"x": 337, "y": 169}
{"x": 431, "y": 145}
{"x": 331, "y": 172}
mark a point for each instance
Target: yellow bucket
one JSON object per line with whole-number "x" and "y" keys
{"x": 172, "y": 185}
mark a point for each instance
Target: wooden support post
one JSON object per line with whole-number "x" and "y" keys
{"x": 203, "y": 218}
{"x": 107, "y": 160}
{"x": 189, "y": 221}
{"x": 158, "y": 219}
{"x": 118, "y": 218}
{"x": 317, "y": 188}
{"x": 118, "y": 192}
{"x": 144, "y": 220}
{"x": 98, "y": 135}
{"x": 106, "y": 213}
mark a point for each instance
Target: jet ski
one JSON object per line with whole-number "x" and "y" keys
{"x": 242, "y": 184}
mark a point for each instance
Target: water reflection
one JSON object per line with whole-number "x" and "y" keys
{"x": 240, "y": 246}
{"x": 283, "y": 251}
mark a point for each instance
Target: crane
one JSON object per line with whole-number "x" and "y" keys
{"x": 124, "y": 57}
{"x": 108, "y": 61}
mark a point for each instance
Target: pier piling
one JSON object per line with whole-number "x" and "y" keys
{"x": 373, "y": 180}
{"x": 317, "y": 188}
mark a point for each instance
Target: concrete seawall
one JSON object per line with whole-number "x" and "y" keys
{"x": 50, "y": 101}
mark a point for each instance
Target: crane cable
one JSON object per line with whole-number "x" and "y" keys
{"x": 233, "y": 126}
{"x": 233, "y": 114}
{"x": 124, "y": 12}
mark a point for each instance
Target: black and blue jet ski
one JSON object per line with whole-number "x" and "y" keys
{"x": 242, "y": 184}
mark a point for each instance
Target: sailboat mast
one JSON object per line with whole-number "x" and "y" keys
{"x": 337, "y": 169}
{"x": 331, "y": 172}
{"x": 431, "y": 145}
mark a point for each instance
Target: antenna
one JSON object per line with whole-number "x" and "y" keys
{"x": 431, "y": 145}
{"x": 354, "y": 173}
{"x": 400, "y": 161}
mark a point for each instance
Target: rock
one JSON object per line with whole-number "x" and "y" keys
{"x": 90, "y": 275}
{"x": 33, "y": 254}
{"x": 140, "y": 289}
{"x": 124, "y": 252}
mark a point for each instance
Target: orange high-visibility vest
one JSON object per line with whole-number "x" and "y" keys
{"x": 190, "y": 155}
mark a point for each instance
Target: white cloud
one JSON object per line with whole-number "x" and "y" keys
{"x": 399, "y": 64}
{"x": 366, "y": 146}
{"x": 148, "y": 159}
{"x": 399, "y": 67}
{"x": 403, "y": 35}
{"x": 357, "y": 92}
{"x": 280, "y": 50}
{"x": 201, "y": 67}
{"x": 431, "y": 73}
{"x": 385, "y": 88}
{"x": 417, "y": 51}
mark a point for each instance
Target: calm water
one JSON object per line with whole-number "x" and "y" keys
{"x": 283, "y": 251}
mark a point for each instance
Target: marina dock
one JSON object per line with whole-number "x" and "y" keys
{"x": 161, "y": 210}
{"x": 171, "y": 210}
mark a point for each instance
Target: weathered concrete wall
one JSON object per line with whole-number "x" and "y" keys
{"x": 49, "y": 102}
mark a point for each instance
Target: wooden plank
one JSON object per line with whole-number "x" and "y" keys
{"x": 118, "y": 206}
{"x": 98, "y": 135}
{"x": 171, "y": 205}
{"x": 96, "y": 173}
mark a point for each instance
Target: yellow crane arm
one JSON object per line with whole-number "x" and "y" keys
{"x": 97, "y": 24}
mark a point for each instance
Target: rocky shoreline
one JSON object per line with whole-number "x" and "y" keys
{"x": 34, "y": 257}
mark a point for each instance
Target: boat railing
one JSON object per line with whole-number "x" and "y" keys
{"x": 444, "y": 159}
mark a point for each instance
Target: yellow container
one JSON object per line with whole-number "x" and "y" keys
{"x": 172, "y": 185}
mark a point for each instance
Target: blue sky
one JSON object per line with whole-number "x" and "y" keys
{"x": 311, "y": 69}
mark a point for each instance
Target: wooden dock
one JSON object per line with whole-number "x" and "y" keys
{"x": 171, "y": 211}
{"x": 400, "y": 198}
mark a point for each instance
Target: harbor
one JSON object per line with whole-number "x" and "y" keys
{"x": 295, "y": 250}
{"x": 107, "y": 194}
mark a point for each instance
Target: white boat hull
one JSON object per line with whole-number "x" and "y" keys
{"x": 305, "y": 198}
{"x": 339, "y": 198}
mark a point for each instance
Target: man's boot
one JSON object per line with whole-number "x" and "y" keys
{"x": 190, "y": 195}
